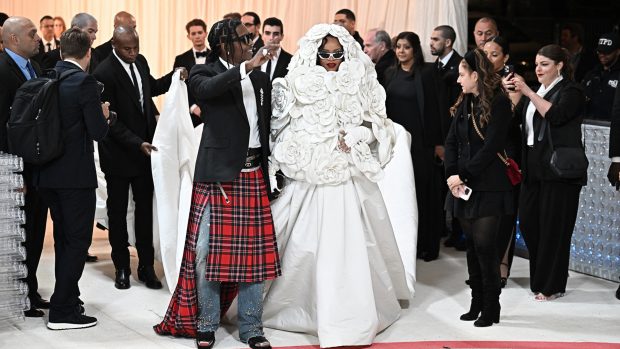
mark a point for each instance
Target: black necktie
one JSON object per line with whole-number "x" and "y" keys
{"x": 268, "y": 71}
{"x": 201, "y": 54}
{"x": 31, "y": 70}
{"x": 135, "y": 81}
{"x": 439, "y": 65}
{"x": 49, "y": 47}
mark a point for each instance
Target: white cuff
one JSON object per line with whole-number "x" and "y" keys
{"x": 615, "y": 159}
{"x": 358, "y": 134}
{"x": 244, "y": 73}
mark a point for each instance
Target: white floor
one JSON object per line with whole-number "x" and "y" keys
{"x": 588, "y": 312}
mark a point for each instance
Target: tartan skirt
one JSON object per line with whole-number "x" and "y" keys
{"x": 242, "y": 247}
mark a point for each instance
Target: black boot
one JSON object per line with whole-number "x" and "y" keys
{"x": 489, "y": 316}
{"x": 474, "y": 309}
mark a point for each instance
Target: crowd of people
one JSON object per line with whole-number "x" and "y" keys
{"x": 286, "y": 212}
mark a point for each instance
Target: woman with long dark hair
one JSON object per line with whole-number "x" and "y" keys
{"x": 412, "y": 101}
{"x": 551, "y": 119}
{"x": 477, "y": 178}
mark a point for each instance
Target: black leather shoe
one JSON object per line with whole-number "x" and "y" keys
{"x": 34, "y": 312}
{"x": 90, "y": 258}
{"x": 38, "y": 302}
{"x": 618, "y": 292}
{"x": 259, "y": 342}
{"x": 147, "y": 275}
{"x": 122, "y": 279}
{"x": 101, "y": 226}
{"x": 205, "y": 340}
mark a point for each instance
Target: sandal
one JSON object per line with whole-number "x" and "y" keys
{"x": 205, "y": 340}
{"x": 259, "y": 342}
{"x": 539, "y": 297}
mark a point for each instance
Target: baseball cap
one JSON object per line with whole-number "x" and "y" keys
{"x": 608, "y": 43}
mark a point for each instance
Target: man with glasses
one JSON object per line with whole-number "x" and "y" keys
{"x": 252, "y": 23}
{"x": 231, "y": 227}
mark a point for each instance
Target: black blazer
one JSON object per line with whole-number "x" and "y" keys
{"x": 103, "y": 51}
{"x": 51, "y": 58}
{"x": 224, "y": 142}
{"x": 281, "y": 68}
{"x": 426, "y": 87}
{"x": 385, "y": 62}
{"x": 257, "y": 45}
{"x": 40, "y": 57}
{"x": 119, "y": 152}
{"x": 82, "y": 122}
{"x": 474, "y": 160}
{"x": 449, "y": 89}
{"x": 187, "y": 60}
{"x": 564, "y": 119}
{"x": 12, "y": 78}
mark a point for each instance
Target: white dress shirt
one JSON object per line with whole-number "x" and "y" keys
{"x": 531, "y": 109}
{"x": 444, "y": 61}
{"x": 51, "y": 42}
{"x": 249, "y": 101}
{"x": 199, "y": 60}
{"x": 274, "y": 61}
{"x": 135, "y": 70}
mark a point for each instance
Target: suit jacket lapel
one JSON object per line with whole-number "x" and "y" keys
{"x": 126, "y": 82}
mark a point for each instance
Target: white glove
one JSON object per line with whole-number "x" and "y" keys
{"x": 273, "y": 183}
{"x": 358, "y": 134}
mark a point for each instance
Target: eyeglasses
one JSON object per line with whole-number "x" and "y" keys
{"x": 249, "y": 24}
{"x": 331, "y": 55}
{"x": 245, "y": 39}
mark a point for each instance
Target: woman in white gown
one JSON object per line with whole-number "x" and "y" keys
{"x": 342, "y": 272}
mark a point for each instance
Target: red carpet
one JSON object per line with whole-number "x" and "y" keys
{"x": 478, "y": 345}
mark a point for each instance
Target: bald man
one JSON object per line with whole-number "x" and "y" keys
{"x": 485, "y": 28}
{"x": 21, "y": 43}
{"x": 125, "y": 154}
{"x": 122, "y": 18}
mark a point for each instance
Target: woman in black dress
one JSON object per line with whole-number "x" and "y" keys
{"x": 413, "y": 102}
{"x": 477, "y": 135}
{"x": 548, "y": 204}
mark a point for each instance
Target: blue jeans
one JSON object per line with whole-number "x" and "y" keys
{"x": 250, "y": 300}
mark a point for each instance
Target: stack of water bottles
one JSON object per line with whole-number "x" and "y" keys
{"x": 595, "y": 247}
{"x": 13, "y": 291}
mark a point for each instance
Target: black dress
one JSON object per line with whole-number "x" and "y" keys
{"x": 412, "y": 101}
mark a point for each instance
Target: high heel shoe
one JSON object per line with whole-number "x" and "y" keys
{"x": 205, "y": 340}
{"x": 488, "y": 317}
{"x": 259, "y": 342}
{"x": 474, "y": 310}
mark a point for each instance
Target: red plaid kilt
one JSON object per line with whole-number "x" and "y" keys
{"x": 242, "y": 247}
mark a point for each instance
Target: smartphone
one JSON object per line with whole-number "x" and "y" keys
{"x": 507, "y": 70}
{"x": 466, "y": 193}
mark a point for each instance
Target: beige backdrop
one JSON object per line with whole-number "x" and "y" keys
{"x": 161, "y": 23}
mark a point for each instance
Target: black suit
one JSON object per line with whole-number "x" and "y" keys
{"x": 187, "y": 59}
{"x": 548, "y": 205}
{"x": 68, "y": 185}
{"x": 225, "y": 137}
{"x": 51, "y": 58}
{"x": 122, "y": 161}
{"x": 103, "y": 51}
{"x": 449, "y": 89}
{"x": 386, "y": 61}
{"x": 36, "y": 209}
{"x": 40, "y": 57}
{"x": 281, "y": 68}
{"x": 259, "y": 43}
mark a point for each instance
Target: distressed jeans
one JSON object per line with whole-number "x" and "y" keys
{"x": 250, "y": 299}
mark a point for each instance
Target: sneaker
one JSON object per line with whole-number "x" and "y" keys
{"x": 72, "y": 322}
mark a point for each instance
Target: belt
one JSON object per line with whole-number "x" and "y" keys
{"x": 252, "y": 161}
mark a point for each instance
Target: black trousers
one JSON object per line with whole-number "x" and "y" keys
{"x": 429, "y": 182}
{"x": 36, "y": 218}
{"x": 548, "y": 211}
{"x": 482, "y": 259}
{"x": 73, "y": 213}
{"x": 118, "y": 196}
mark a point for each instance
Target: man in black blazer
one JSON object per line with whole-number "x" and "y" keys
{"x": 252, "y": 22}
{"x": 447, "y": 68}
{"x": 68, "y": 183}
{"x": 21, "y": 43}
{"x": 125, "y": 153}
{"x": 122, "y": 18}
{"x": 196, "y": 33}
{"x": 87, "y": 23}
{"x": 378, "y": 46}
{"x": 277, "y": 66}
{"x": 48, "y": 41}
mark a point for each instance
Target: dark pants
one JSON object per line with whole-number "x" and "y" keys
{"x": 429, "y": 181}
{"x": 118, "y": 191}
{"x": 73, "y": 213}
{"x": 482, "y": 258}
{"x": 547, "y": 212}
{"x": 36, "y": 219}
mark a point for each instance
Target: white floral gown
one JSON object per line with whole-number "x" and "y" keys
{"x": 342, "y": 271}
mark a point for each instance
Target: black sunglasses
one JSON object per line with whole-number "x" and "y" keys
{"x": 331, "y": 55}
{"x": 245, "y": 39}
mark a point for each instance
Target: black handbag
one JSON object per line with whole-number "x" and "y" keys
{"x": 566, "y": 162}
